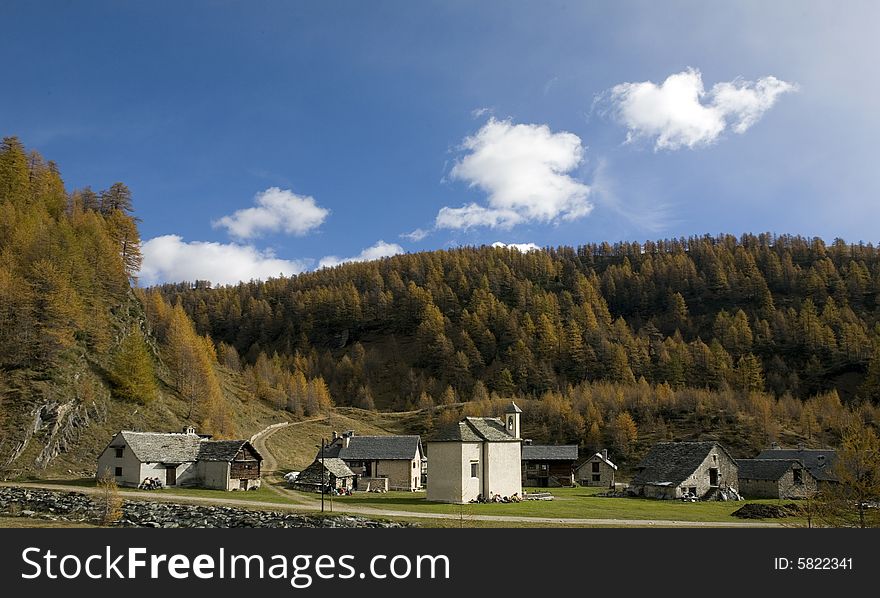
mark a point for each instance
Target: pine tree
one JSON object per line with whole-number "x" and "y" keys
{"x": 132, "y": 372}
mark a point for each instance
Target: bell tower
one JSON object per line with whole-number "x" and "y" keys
{"x": 512, "y": 419}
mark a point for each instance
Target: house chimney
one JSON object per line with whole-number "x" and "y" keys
{"x": 800, "y": 446}
{"x": 346, "y": 438}
{"x": 774, "y": 446}
{"x": 335, "y": 435}
{"x": 605, "y": 454}
{"x": 821, "y": 460}
{"x": 527, "y": 442}
{"x": 189, "y": 430}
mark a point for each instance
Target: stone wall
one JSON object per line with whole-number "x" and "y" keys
{"x": 79, "y": 507}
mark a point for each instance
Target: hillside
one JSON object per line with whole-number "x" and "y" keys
{"x": 758, "y": 338}
{"x": 82, "y": 353}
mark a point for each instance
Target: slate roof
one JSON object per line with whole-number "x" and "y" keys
{"x": 374, "y": 448}
{"x": 159, "y": 447}
{"x": 155, "y": 447}
{"x": 811, "y": 458}
{"x": 512, "y": 408}
{"x": 671, "y": 463}
{"x": 475, "y": 429}
{"x": 313, "y": 474}
{"x": 224, "y": 450}
{"x": 539, "y": 452}
{"x": 764, "y": 469}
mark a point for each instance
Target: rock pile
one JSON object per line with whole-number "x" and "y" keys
{"x": 764, "y": 511}
{"x": 80, "y": 507}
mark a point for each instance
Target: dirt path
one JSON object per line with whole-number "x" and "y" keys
{"x": 303, "y": 504}
{"x": 270, "y": 463}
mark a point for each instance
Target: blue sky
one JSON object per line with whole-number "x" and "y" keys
{"x": 268, "y": 137}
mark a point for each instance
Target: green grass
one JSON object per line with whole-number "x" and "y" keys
{"x": 568, "y": 503}
{"x": 580, "y": 503}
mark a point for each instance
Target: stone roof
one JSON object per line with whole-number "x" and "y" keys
{"x": 370, "y": 448}
{"x": 313, "y": 474}
{"x": 161, "y": 447}
{"x": 540, "y": 452}
{"x": 601, "y": 458}
{"x": 765, "y": 469}
{"x": 224, "y": 450}
{"x": 671, "y": 463}
{"x": 156, "y": 447}
{"x": 819, "y": 462}
{"x": 475, "y": 429}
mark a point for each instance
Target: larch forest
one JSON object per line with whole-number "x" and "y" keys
{"x": 750, "y": 339}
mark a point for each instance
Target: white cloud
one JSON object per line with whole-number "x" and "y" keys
{"x": 379, "y": 250}
{"x": 277, "y": 210}
{"x": 473, "y": 215}
{"x": 524, "y": 171}
{"x": 681, "y": 113}
{"x": 478, "y": 112}
{"x": 521, "y": 247}
{"x": 416, "y": 235}
{"x": 170, "y": 259}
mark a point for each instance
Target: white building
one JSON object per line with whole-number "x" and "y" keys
{"x": 185, "y": 459}
{"x": 478, "y": 457}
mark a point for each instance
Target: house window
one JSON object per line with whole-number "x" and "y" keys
{"x": 119, "y": 451}
{"x": 118, "y": 472}
{"x": 798, "y": 477}
{"x": 595, "y": 466}
{"x": 475, "y": 469}
{"x": 597, "y": 477}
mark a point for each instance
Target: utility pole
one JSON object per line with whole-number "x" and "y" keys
{"x": 323, "y": 473}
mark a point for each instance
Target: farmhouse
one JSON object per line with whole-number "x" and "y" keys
{"x": 547, "y": 465}
{"x": 395, "y": 462}
{"x": 775, "y": 478}
{"x": 596, "y": 471}
{"x": 330, "y": 472}
{"x": 672, "y": 469}
{"x": 182, "y": 459}
{"x": 819, "y": 462}
{"x": 478, "y": 457}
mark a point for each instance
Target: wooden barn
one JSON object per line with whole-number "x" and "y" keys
{"x": 548, "y": 465}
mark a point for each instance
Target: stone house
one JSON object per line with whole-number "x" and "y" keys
{"x": 478, "y": 457}
{"x": 547, "y": 465}
{"x": 775, "y": 478}
{"x": 397, "y": 462}
{"x": 180, "y": 459}
{"x": 672, "y": 469}
{"x": 598, "y": 470}
{"x": 819, "y": 462}
{"x": 332, "y": 472}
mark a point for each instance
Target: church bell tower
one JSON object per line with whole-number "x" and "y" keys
{"x": 511, "y": 419}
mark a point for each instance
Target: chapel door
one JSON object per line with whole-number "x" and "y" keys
{"x": 171, "y": 475}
